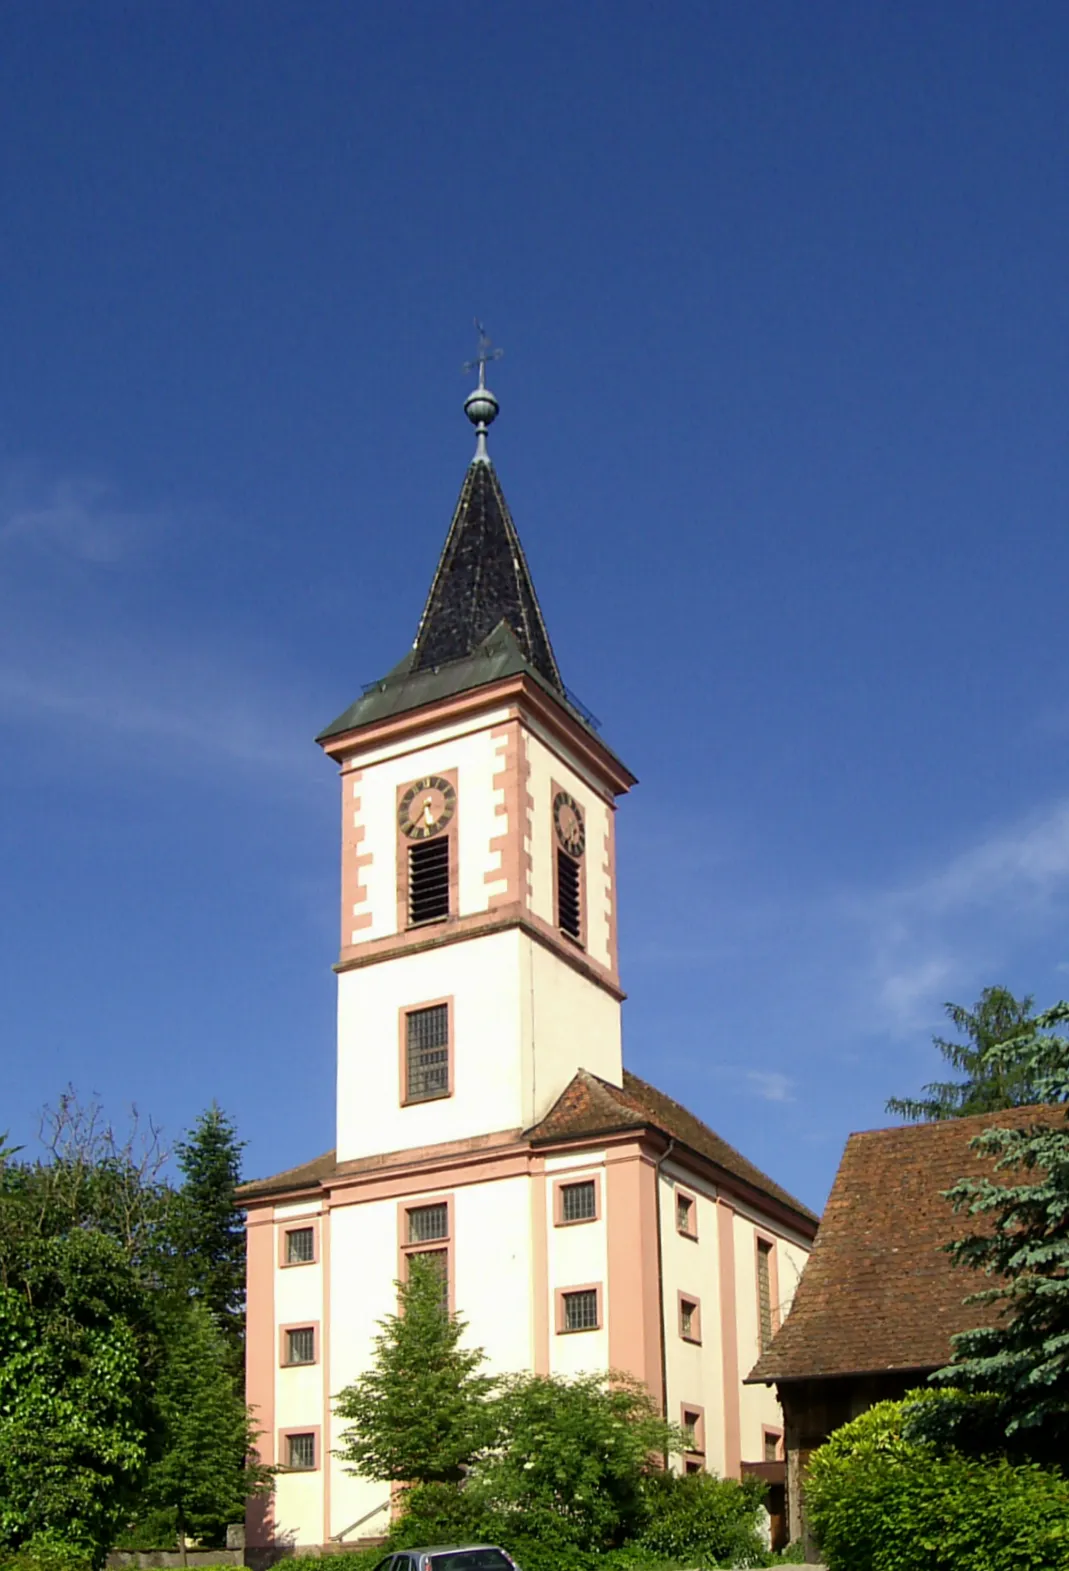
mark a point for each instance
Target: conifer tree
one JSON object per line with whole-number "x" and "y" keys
{"x": 988, "y": 1084}
{"x": 209, "y": 1236}
{"x": 203, "y": 1475}
{"x": 418, "y": 1414}
{"x": 1021, "y": 1241}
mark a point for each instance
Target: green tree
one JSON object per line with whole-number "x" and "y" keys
{"x": 572, "y": 1458}
{"x": 76, "y": 1362}
{"x": 203, "y": 1475}
{"x": 988, "y": 1084}
{"x": 1022, "y": 1243}
{"x": 207, "y": 1229}
{"x": 418, "y": 1414}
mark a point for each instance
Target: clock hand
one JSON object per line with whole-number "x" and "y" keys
{"x": 428, "y": 816}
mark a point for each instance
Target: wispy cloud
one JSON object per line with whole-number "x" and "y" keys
{"x": 770, "y": 1085}
{"x": 938, "y": 931}
{"x": 80, "y": 519}
{"x": 78, "y": 648}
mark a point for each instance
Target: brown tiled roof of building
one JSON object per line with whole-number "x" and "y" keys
{"x": 879, "y": 1291}
{"x": 590, "y": 1105}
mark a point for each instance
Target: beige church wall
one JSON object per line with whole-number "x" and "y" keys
{"x": 472, "y": 753}
{"x": 492, "y": 1225}
{"x": 548, "y": 768}
{"x": 363, "y": 1269}
{"x": 484, "y": 983}
{"x": 577, "y": 1256}
{"x": 569, "y": 1024}
{"x": 692, "y": 1266}
{"x": 758, "y": 1407}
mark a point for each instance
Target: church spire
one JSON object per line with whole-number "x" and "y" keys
{"x": 482, "y": 577}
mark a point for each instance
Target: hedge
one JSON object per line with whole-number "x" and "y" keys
{"x": 879, "y": 1501}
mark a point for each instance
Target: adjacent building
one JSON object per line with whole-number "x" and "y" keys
{"x": 581, "y": 1219}
{"x": 881, "y": 1298}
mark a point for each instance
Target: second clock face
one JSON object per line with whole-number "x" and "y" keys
{"x": 568, "y": 819}
{"x": 426, "y": 807}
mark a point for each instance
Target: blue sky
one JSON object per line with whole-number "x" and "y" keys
{"x": 784, "y": 416}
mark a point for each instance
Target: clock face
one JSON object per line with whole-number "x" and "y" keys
{"x": 426, "y": 807}
{"x": 568, "y": 819}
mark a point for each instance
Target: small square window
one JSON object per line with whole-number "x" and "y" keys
{"x": 301, "y": 1346}
{"x": 428, "y": 1222}
{"x": 578, "y": 1202}
{"x": 300, "y": 1246}
{"x": 691, "y": 1465}
{"x": 692, "y": 1429}
{"x": 301, "y": 1451}
{"x": 771, "y": 1447}
{"x": 686, "y": 1215}
{"x": 581, "y": 1310}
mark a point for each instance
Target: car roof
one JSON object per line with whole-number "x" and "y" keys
{"x": 445, "y": 1549}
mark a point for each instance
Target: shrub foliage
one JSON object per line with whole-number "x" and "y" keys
{"x": 879, "y": 1500}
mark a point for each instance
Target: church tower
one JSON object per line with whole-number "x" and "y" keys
{"x": 583, "y": 1221}
{"x": 478, "y": 964}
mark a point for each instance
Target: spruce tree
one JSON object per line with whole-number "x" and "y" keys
{"x": 1021, "y": 1241}
{"x": 988, "y": 1085}
{"x": 203, "y": 1475}
{"x": 418, "y": 1414}
{"x": 209, "y": 1236}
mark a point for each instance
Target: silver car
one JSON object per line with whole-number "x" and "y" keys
{"x": 449, "y": 1557}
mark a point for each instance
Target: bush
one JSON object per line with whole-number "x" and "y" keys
{"x": 47, "y": 1553}
{"x": 879, "y": 1500}
{"x": 701, "y": 1518}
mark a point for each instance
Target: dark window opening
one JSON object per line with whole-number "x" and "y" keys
{"x": 581, "y": 1310}
{"x": 764, "y": 1292}
{"x": 427, "y": 1053}
{"x": 428, "y": 881}
{"x": 302, "y": 1451}
{"x": 301, "y": 1346}
{"x": 300, "y": 1246}
{"x": 569, "y": 910}
{"x": 578, "y": 1202}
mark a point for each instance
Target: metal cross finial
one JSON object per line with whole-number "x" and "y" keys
{"x": 487, "y": 352}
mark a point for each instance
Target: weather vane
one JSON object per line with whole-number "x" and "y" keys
{"x": 487, "y": 352}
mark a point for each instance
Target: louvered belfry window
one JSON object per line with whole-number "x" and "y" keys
{"x": 569, "y": 908}
{"x": 764, "y": 1292}
{"x": 428, "y": 881}
{"x": 427, "y": 1053}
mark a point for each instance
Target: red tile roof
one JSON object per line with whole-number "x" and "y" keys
{"x": 588, "y": 1107}
{"x": 880, "y": 1292}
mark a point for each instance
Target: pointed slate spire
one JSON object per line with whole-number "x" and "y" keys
{"x": 482, "y": 580}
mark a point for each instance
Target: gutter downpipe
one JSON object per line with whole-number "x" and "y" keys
{"x": 662, "y": 1159}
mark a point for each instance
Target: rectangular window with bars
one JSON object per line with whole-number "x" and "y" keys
{"x": 426, "y": 1232}
{"x": 764, "y": 1292}
{"x": 426, "y": 1053}
{"x": 579, "y": 1202}
{"x": 301, "y": 1345}
{"x": 569, "y": 898}
{"x": 428, "y": 881}
{"x": 301, "y": 1451}
{"x": 690, "y": 1319}
{"x": 579, "y": 1310}
{"x": 427, "y": 1222}
{"x": 300, "y": 1246}
{"x": 686, "y": 1215}
{"x": 692, "y": 1422}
